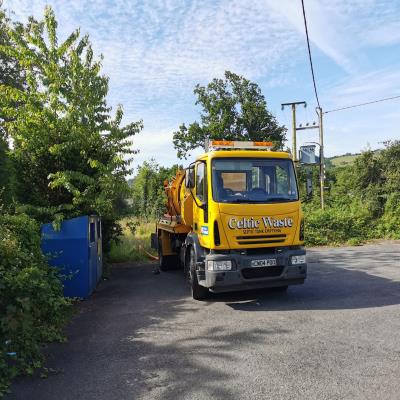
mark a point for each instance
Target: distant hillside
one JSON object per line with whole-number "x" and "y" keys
{"x": 344, "y": 159}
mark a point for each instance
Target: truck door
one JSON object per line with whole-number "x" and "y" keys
{"x": 200, "y": 214}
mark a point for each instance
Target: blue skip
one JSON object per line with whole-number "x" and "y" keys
{"x": 76, "y": 249}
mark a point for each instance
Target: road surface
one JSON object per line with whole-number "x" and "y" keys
{"x": 141, "y": 336}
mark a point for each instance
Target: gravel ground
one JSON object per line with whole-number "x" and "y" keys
{"x": 141, "y": 336}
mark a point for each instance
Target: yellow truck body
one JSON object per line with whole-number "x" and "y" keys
{"x": 234, "y": 222}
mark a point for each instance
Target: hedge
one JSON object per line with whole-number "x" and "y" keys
{"x": 32, "y": 307}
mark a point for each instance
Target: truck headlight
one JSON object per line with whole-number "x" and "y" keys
{"x": 225, "y": 265}
{"x": 295, "y": 260}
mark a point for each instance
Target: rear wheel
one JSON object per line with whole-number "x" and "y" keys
{"x": 198, "y": 292}
{"x": 166, "y": 263}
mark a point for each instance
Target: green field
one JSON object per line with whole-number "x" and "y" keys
{"x": 346, "y": 159}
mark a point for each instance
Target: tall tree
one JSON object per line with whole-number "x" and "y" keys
{"x": 148, "y": 195}
{"x": 232, "y": 109}
{"x": 12, "y": 75}
{"x": 71, "y": 156}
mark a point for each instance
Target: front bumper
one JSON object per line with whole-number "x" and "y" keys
{"x": 243, "y": 276}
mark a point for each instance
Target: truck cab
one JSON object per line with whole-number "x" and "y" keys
{"x": 246, "y": 223}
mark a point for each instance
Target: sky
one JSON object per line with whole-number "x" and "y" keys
{"x": 156, "y": 51}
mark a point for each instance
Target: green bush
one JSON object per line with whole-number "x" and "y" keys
{"x": 33, "y": 309}
{"x": 363, "y": 203}
{"x": 389, "y": 224}
{"x": 337, "y": 226}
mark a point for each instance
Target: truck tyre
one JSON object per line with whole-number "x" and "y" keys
{"x": 198, "y": 292}
{"x": 166, "y": 263}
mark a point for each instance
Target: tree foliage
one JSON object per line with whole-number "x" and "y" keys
{"x": 71, "y": 156}
{"x": 233, "y": 109}
{"x": 363, "y": 203}
{"x": 12, "y": 75}
{"x": 6, "y": 174}
{"x": 148, "y": 195}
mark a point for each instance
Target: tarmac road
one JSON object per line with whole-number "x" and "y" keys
{"x": 142, "y": 337}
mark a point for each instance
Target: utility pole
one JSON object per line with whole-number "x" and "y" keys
{"x": 322, "y": 161}
{"x": 320, "y": 126}
{"x": 294, "y": 142}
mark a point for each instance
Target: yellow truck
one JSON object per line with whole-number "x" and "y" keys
{"x": 234, "y": 220}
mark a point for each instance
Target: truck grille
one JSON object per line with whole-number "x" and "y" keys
{"x": 262, "y": 272}
{"x": 261, "y": 239}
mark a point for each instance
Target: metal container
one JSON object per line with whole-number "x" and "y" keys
{"x": 76, "y": 250}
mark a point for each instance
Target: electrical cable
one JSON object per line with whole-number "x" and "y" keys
{"x": 362, "y": 104}
{"x": 309, "y": 53}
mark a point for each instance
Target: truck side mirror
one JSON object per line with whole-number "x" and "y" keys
{"x": 189, "y": 177}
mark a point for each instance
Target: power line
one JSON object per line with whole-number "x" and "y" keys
{"x": 309, "y": 53}
{"x": 362, "y": 104}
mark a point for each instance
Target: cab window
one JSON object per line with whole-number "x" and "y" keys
{"x": 200, "y": 181}
{"x": 252, "y": 180}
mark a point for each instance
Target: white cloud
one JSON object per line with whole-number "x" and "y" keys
{"x": 325, "y": 26}
{"x": 157, "y": 145}
{"x": 365, "y": 87}
{"x": 157, "y": 50}
{"x": 166, "y": 46}
{"x": 352, "y": 129}
{"x": 341, "y": 29}
{"x": 384, "y": 35}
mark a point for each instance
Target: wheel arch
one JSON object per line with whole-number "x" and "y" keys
{"x": 192, "y": 240}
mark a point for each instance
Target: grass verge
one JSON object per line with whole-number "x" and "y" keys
{"x": 135, "y": 242}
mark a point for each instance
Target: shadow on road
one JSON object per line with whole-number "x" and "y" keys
{"x": 142, "y": 337}
{"x": 127, "y": 342}
{"x": 346, "y": 280}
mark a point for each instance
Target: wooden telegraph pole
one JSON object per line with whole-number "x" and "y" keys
{"x": 321, "y": 155}
{"x": 320, "y": 126}
{"x": 294, "y": 143}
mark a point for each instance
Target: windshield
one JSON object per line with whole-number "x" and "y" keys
{"x": 249, "y": 180}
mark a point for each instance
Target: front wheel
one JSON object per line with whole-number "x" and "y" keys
{"x": 198, "y": 292}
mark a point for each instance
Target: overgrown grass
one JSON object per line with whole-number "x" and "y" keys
{"x": 134, "y": 245}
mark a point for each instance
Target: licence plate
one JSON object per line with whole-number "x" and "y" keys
{"x": 269, "y": 262}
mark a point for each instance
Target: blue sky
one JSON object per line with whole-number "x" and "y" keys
{"x": 156, "y": 51}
